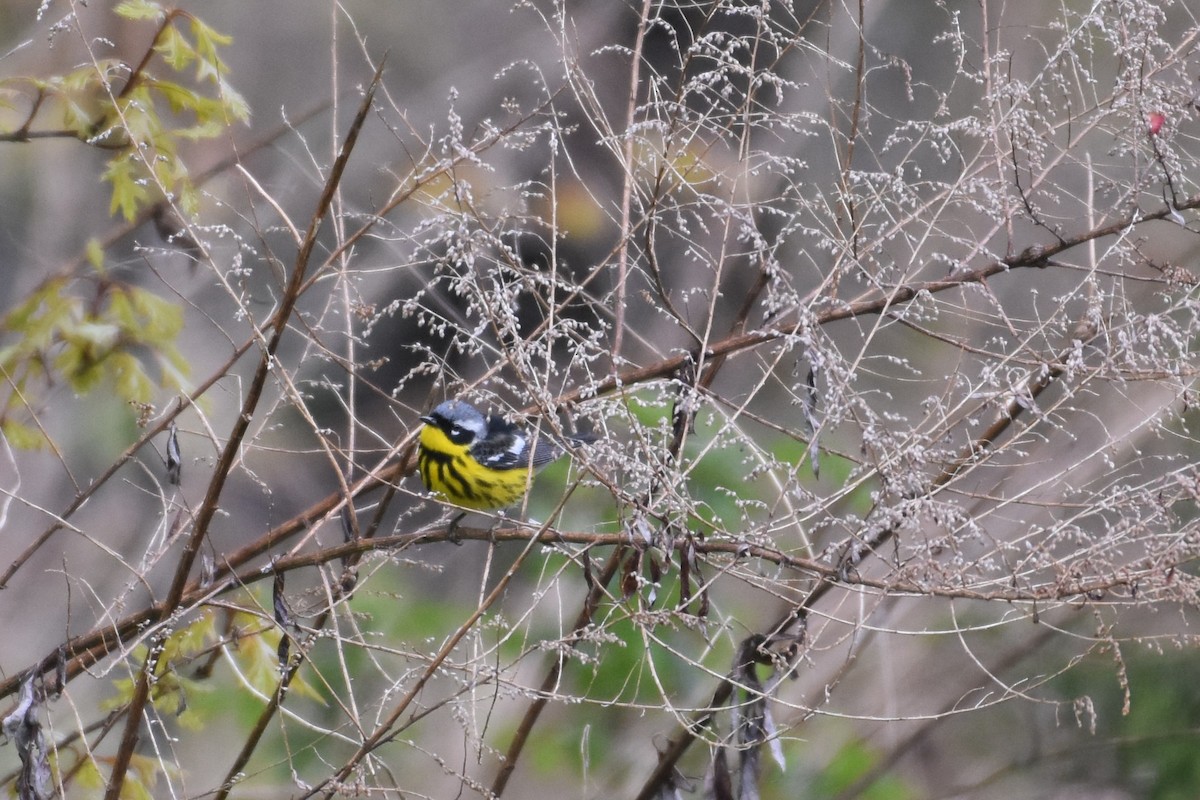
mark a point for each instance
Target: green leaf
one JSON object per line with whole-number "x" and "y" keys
{"x": 258, "y": 656}
{"x": 153, "y": 319}
{"x": 82, "y": 80}
{"x": 139, "y": 9}
{"x": 95, "y": 255}
{"x": 180, "y": 98}
{"x": 88, "y": 775}
{"x": 176, "y": 50}
{"x": 238, "y": 108}
{"x": 114, "y": 340}
{"x": 193, "y": 638}
{"x": 77, "y": 118}
{"x": 131, "y": 382}
{"x": 208, "y": 65}
{"x": 129, "y": 191}
{"x": 38, "y": 318}
{"x": 141, "y": 778}
{"x": 141, "y": 120}
{"x": 21, "y": 436}
{"x": 8, "y": 97}
{"x": 173, "y": 369}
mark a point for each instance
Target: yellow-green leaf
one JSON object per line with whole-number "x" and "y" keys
{"x": 88, "y": 775}
{"x": 139, "y": 9}
{"x": 21, "y": 436}
{"x": 175, "y": 49}
{"x": 208, "y": 65}
{"x": 133, "y": 789}
{"x": 95, "y": 255}
{"x": 239, "y": 109}
{"x": 128, "y": 190}
{"x": 258, "y": 655}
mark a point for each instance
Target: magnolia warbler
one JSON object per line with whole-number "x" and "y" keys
{"x": 480, "y": 462}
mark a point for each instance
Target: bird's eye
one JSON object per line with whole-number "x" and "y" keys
{"x": 460, "y": 435}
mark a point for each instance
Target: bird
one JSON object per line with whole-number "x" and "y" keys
{"x": 482, "y": 462}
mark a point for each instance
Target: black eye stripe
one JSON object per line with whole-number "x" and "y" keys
{"x": 458, "y": 434}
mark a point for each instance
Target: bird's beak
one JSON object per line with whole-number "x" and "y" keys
{"x": 428, "y": 420}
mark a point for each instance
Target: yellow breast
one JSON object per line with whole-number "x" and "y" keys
{"x": 449, "y": 470}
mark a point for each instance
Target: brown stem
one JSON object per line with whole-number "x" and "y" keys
{"x": 679, "y": 745}
{"x": 586, "y": 615}
{"x": 224, "y": 466}
{"x": 186, "y": 402}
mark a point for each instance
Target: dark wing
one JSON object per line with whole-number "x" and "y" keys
{"x": 546, "y": 450}
{"x": 583, "y": 437}
{"x": 509, "y": 447}
{"x": 506, "y": 446}
{"x": 550, "y": 447}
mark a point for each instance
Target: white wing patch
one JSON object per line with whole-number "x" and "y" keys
{"x": 519, "y": 443}
{"x": 516, "y": 454}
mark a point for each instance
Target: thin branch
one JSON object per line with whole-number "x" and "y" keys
{"x": 853, "y": 552}
{"x": 116, "y": 235}
{"x": 224, "y": 466}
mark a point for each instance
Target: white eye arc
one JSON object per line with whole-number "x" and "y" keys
{"x": 471, "y": 427}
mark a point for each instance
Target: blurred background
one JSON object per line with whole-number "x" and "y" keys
{"x": 855, "y": 189}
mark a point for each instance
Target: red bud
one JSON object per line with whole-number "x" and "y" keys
{"x": 1156, "y": 120}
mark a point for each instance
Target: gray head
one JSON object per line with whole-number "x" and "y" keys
{"x": 460, "y": 421}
